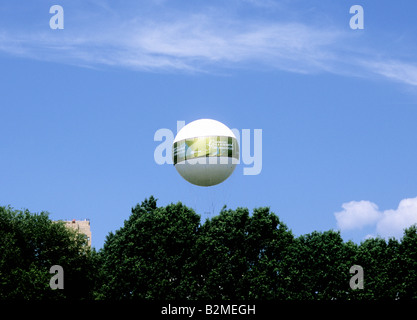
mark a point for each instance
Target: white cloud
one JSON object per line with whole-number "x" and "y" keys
{"x": 203, "y": 40}
{"x": 357, "y": 214}
{"x": 395, "y": 70}
{"x": 388, "y": 223}
{"x": 185, "y": 43}
{"x": 393, "y": 222}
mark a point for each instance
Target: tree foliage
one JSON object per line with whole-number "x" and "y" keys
{"x": 30, "y": 245}
{"x": 151, "y": 256}
{"x": 317, "y": 267}
{"x": 240, "y": 255}
{"x": 168, "y": 253}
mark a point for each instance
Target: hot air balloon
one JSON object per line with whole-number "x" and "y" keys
{"x": 205, "y": 152}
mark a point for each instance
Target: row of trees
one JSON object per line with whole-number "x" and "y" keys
{"x": 168, "y": 253}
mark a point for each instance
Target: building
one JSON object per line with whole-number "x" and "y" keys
{"x": 82, "y": 226}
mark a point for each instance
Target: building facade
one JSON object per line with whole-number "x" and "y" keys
{"x": 82, "y": 226}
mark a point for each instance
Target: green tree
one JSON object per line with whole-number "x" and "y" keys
{"x": 165, "y": 253}
{"x": 268, "y": 241}
{"x": 221, "y": 258}
{"x": 379, "y": 260}
{"x": 317, "y": 267}
{"x": 407, "y": 264}
{"x": 151, "y": 256}
{"x": 240, "y": 255}
{"x": 30, "y": 245}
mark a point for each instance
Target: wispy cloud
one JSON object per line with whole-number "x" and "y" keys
{"x": 395, "y": 70}
{"x": 196, "y": 42}
{"x": 202, "y": 42}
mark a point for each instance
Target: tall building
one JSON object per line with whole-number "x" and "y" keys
{"x": 82, "y": 226}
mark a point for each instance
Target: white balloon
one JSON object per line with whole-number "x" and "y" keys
{"x": 205, "y": 152}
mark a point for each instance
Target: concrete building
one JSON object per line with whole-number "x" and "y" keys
{"x": 82, "y": 226}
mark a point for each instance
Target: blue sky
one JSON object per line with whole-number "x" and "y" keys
{"x": 337, "y": 108}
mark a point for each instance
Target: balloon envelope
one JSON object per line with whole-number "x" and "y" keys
{"x": 205, "y": 152}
